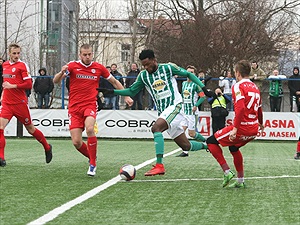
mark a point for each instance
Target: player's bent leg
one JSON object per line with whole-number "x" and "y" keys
{"x": 183, "y": 142}
{"x": 183, "y": 153}
{"x": 92, "y": 149}
{"x": 217, "y": 153}
{"x": 83, "y": 150}
{"x": 2, "y": 146}
{"x": 187, "y": 145}
{"x": 237, "y": 160}
{"x": 3, "y": 123}
{"x": 199, "y": 137}
{"x": 91, "y": 143}
{"x": 158, "y": 169}
{"x": 39, "y": 136}
{"x": 196, "y": 135}
{"x": 238, "y": 163}
{"x": 76, "y": 135}
{"x": 212, "y": 140}
{"x": 158, "y": 127}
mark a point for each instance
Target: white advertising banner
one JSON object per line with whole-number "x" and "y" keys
{"x": 138, "y": 123}
{"x": 52, "y": 122}
{"x": 280, "y": 126}
{"x": 11, "y": 128}
{"x": 126, "y": 123}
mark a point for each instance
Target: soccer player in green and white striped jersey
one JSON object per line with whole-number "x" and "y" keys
{"x": 160, "y": 82}
{"x": 190, "y": 93}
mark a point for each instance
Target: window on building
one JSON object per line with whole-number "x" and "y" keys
{"x": 125, "y": 52}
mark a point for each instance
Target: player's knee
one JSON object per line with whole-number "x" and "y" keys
{"x": 77, "y": 144}
{"x": 233, "y": 149}
{"x": 212, "y": 140}
{"x": 155, "y": 128}
{"x": 90, "y": 131}
{"x": 192, "y": 133}
{"x": 30, "y": 128}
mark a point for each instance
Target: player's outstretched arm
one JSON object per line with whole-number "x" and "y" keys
{"x": 123, "y": 92}
{"x": 182, "y": 72}
{"x": 60, "y": 75}
{"x": 106, "y": 91}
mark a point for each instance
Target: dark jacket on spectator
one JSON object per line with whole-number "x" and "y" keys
{"x": 132, "y": 75}
{"x": 294, "y": 85}
{"x": 118, "y": 76}
{"x": 43, "y": 85}
{"x": 105, "y": 83}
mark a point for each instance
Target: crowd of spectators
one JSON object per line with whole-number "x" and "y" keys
{"x": 272, "y": 87}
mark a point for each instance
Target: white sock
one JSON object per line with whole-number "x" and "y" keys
{"x": 226, "y": 172}
{"x": 186, "y": 152}
{"x": 240, "y": 180}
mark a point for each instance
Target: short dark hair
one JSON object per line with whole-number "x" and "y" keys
{"x": 192, "y": 67}
{"x": 147, "y": 53}
{"x": 85, "y": 46}
{"x": 13, "y": 45}
{"x": 244, "y": 67}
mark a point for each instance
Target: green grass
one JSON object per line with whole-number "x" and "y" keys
{"x": 30, "y": 188}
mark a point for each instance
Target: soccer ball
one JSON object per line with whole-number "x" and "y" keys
{"x": 127, "y": 172}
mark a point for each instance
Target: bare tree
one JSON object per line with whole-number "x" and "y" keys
{"x": 214, "y": 34}
{"x": 22, "y": 30}
{"x": 134, "y": 11}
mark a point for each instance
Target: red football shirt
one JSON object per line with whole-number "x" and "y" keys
{"x": 84, "y": 80}
{"x": 15, "y": 73}
{"x": 247, "y": 103}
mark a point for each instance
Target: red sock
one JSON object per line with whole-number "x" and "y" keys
{"x": 298, "y": 146}
{"x": 238, "y": 163}
{"x": 2, "y": 143}
{"x": 39, "y": 136}
{"x": 84, "y": 150}
{"x": 92, "y": 149}
{"x": 217, "y": 153}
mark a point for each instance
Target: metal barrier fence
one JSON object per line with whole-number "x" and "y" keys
{"x": 59, "y": 97}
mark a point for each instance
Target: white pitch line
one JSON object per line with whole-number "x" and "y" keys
{"x": 212, "y": 179}
{"x": 63, "y": 208}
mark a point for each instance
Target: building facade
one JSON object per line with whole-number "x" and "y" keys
{"x": 112, "y": 41}
{"x": 59, "y": 44}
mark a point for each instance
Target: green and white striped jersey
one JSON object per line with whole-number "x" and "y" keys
{"x": 189, "y": 94}
{"x": 161, "y": 85}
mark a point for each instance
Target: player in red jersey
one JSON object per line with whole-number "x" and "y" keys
{"x": 84, "y": 79}
{"x": 297, "y": 155}
{"x": 16, "y": 80}
{"x": 247, "y": 121}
